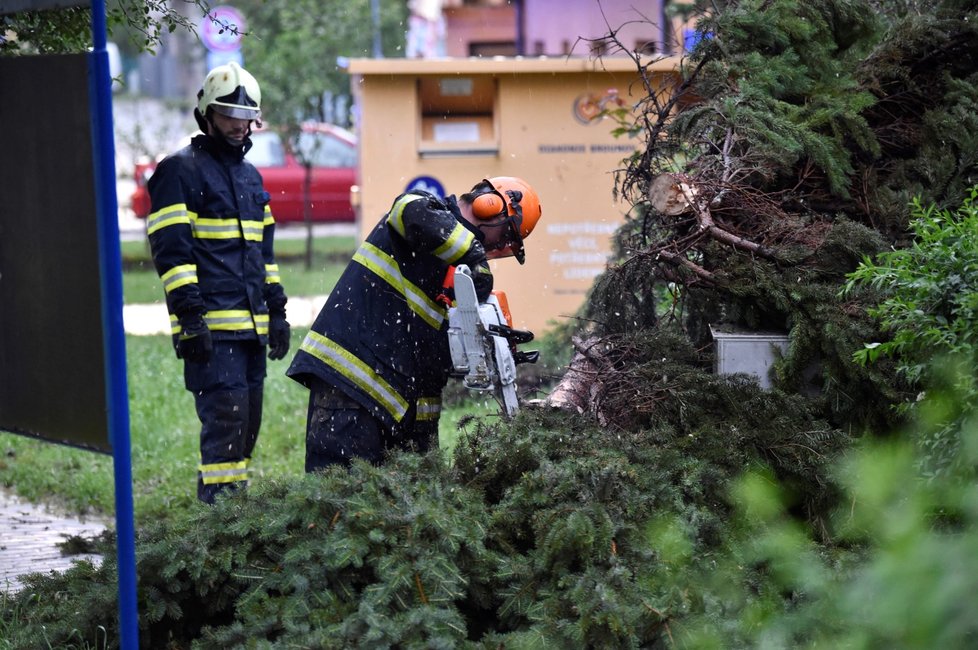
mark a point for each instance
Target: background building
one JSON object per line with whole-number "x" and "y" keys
{"x": 555, "y": 27}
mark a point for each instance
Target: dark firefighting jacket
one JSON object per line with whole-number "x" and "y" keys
{"x": 211, "y": 232}
{"x": 382, "y": 336}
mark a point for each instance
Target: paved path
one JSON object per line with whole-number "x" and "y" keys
{"x": 29, "y": 538}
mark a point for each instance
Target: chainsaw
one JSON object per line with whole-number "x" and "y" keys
{"x": 483, "y": 342}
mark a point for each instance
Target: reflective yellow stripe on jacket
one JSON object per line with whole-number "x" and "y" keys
{"x": 396, "y": 215}
{"x": 179, "y": 276}
{"x": 429, "y": 408}
{"x": 385, "y": 267}
{"x": 253, "y": 230}
{"x": 456, "y": 246}
{"x": 171, "y": 215}
{"x": 272, "y": 275}
{"x": 356, "y": 371}
{"x": 228, "y": 320}
{"x": 208, "y": 228}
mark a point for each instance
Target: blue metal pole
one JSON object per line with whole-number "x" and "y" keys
{"x": 114, "y": 337}
{"x": 378, "y": 52}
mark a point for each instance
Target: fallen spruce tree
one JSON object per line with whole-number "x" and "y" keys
{"x": 535, "y": 536}
{"x": 553, "y": 532}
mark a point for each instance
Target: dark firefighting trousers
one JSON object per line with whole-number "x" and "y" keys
{"x": 339, "y": 429}
{"x": 227, "y": 391}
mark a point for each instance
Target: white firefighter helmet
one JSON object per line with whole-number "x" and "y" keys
{"x": 230, "y": 90}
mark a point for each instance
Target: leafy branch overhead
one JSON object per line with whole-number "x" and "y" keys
{"x": 297, "y": 50}
{"x": 145, "y": 23}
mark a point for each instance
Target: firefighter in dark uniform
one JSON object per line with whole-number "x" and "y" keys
{"x": 377, "y": 357}
{"x": 211, "y": 232}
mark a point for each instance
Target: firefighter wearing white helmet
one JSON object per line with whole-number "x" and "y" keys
{"x": 211, "y": 231}
{"x": 230, "y": 92}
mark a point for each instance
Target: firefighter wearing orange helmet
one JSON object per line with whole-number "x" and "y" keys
{"x": 377, "y": 357}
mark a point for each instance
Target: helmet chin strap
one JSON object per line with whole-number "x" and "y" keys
{"x": 474, "y": 229}
{"x": 201, "y": 121}
{"x": 515, "y": 222}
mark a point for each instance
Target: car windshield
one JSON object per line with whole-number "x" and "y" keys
{"x": 266, "y": 150}
{"x": 324, "y": 150}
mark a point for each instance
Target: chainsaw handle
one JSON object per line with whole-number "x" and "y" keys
{"x": 514, "y": 336}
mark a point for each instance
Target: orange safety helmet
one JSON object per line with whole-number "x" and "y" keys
{"x": 512, "y": 197}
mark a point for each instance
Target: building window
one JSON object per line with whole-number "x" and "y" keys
{"x": 502, "y": 48}
{"x": 458, "y": 116}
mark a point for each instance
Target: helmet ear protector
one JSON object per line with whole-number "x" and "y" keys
{"x": 490, "y": 203}
{"x": 488, "y": 206}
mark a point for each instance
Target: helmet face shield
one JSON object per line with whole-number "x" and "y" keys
{"x": 510, "y": 250}
{"x": 503, "y": 239}
{"x": 236, "y": 112}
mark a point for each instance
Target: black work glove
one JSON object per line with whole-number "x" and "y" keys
{"x": 195, "y": 342}
{"x": 279, "y": 333}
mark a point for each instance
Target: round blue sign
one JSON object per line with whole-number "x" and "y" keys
{"x": 426, "y": 184}
{"x": 221, "y": 29}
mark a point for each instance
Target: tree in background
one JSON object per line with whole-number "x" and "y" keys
{"x": 296, "y": 50}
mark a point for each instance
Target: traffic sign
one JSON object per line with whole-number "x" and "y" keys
{"x": 221, "y": 29}
{"x": 427, "y": 184}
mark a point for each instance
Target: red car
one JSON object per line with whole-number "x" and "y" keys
{"x": 333, "y": 152}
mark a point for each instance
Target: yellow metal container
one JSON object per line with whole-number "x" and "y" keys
{"x": 445, "y": 124}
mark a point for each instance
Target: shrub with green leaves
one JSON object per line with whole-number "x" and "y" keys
{"x": 929, "y": 307}
{"x": 902, "y": 572}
